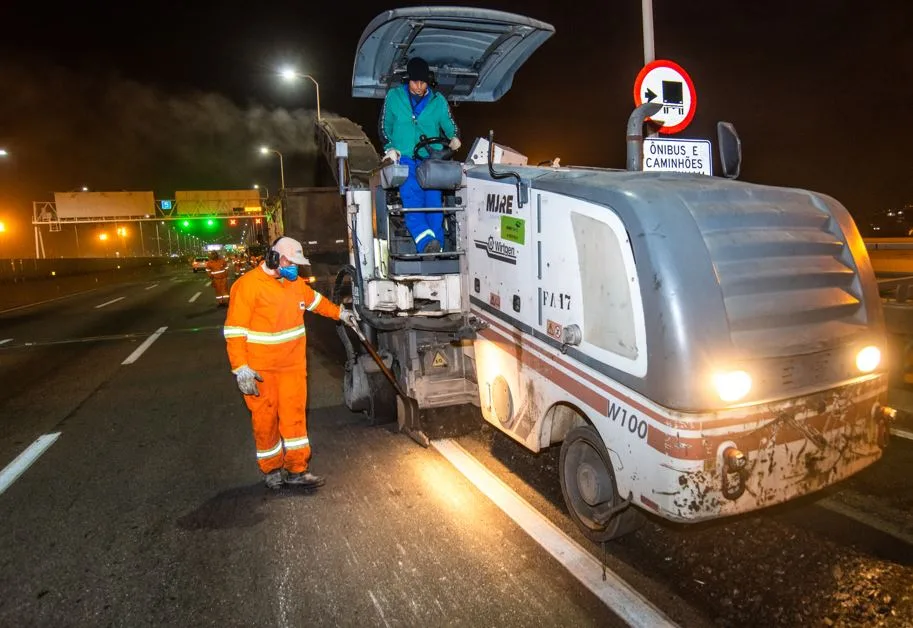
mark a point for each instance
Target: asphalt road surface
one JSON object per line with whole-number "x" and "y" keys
{"x": 147, "y": 507}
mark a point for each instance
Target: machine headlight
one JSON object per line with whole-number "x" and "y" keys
{"x": 868, "y": 359}
{"x": 732, "y": 385}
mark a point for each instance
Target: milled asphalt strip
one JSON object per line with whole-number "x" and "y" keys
{"x": 66, "y": 296}
{"x": 110, "y": 302}
{"x": 195, "y": 297}
{"x": 866, "y": 519}
{"x": 896, "y": 431}
{"x": 133, "y": 357}
{"x": 614, "y": 592}
{"x": 24, "y": 460}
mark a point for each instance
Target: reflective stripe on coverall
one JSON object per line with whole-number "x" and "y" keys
{"x": 218, "y": 273}
{"x": 264, "y": 329}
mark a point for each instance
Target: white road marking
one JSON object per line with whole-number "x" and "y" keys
{"x": 24, "y": 460}
{"x": 133, "y": 357}
{"x": 614, "y": 592}
{"x": 110, "y": 302}
{"x": 66, "y": 296}
{"x": 155, "y": 285}
{"x": 896, "y": 431}
{"x": 865, "y": 518}
{"x": 208, "y": 283}
{"x": 195, "y": 297}
{"x": 380, "y": 611}
{"x": 3, "y": 342}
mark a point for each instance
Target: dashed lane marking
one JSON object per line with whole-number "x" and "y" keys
{"x": 133, "y": 357}
{"x": 208, "y": 283}
{"x": 195, "y": 297}
{"x": 155, "y": 285}
{"x": 101, "y": 305}
{"x": 896, "y": 431}
{"x": 3, "y": 342}
{"x": 614, "y": 592}
{"x": 24, "y": 460}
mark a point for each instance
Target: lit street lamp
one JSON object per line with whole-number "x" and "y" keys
{"x": 289, "y": 75}
{"x": 265, "y": 189}
{"x": 266, "y": 151}
{"x": 4, "y": 152}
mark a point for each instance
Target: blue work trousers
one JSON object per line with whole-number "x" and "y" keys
{"x": 422, "y": 226}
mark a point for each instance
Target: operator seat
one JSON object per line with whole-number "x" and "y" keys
{"x": 390, "y": 225}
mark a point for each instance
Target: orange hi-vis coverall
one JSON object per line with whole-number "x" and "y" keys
{"x": 264, "y": 329}
{"x": 218, "y": 272}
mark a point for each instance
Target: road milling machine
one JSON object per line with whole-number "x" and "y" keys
{"x": 698, "y": 346}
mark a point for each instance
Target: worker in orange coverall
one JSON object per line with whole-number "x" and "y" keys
{"x": 217, "y": 269}
{"x": 265, "y": 334}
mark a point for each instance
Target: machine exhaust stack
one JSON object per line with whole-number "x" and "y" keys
{"x": 635, "y": 136}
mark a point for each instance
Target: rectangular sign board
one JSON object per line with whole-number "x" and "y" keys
{"x": 216, "y": 202}
{"x": 89, "y": 205}
{"x": 674, "y": 155}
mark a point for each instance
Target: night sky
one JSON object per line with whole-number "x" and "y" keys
{"x": 168, "y": 96}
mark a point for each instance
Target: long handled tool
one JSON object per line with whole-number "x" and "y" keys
{"x": 380, "y": 363}
{"x": 407, "y": 408}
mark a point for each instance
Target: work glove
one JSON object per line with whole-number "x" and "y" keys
{"x": 347, "y": 317}
{"x": 392, "y": 155}
{"x": 455, "y": 144}
{"x": 247, "y": 380}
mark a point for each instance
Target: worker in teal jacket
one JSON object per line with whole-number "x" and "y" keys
{"x": 412, "y": 111}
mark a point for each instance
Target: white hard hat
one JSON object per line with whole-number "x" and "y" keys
{"x": 291, "y": 249}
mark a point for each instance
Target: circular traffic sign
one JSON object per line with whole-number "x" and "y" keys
{"x": 666, "y": 82}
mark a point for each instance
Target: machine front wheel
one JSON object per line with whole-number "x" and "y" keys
{"x": 589, "y": 488}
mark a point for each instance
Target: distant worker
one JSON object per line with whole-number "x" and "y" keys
{"x": 217, "y": 269}
{"x": 265, "y": 334}
{"x": 413, "y": 111}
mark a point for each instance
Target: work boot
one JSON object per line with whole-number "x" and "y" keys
{"x": 306, "y": 480}
{"x": 433, "y": 246}
{"x": 274, "y": 479}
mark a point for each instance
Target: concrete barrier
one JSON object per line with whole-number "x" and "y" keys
{"x": 25, "y": 281}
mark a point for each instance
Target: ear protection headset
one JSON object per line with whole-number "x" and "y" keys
{"x": 272, "y": 255}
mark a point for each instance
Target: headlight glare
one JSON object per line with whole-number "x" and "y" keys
{"x": 732, "y": 386}
{"x": 868, "y": 359}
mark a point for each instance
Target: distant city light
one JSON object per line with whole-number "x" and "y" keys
{"x": 2, "y": 227}
{"x": 102, "y": 236}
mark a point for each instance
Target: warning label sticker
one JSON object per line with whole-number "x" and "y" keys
{"x": 439, "y": 360}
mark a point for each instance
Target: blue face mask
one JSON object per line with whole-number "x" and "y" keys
{"x": 289, "y": 272}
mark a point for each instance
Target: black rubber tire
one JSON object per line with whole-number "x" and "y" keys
{"x": 381, "y": 400}
{"x": 584, "y": 445}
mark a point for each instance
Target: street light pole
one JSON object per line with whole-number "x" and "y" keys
{"x": 289, "y": 74}
{"x": 266, "y": 150}
{"x": 317, "y": 89}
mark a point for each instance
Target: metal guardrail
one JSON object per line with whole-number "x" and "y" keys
{"x": 898, "y": 290}
{"x": 897, "y": 301}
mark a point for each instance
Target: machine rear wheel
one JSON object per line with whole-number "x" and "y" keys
{"x": 589, "y": 488}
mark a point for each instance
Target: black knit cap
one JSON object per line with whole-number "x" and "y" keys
{"x": 417, "y": 70}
